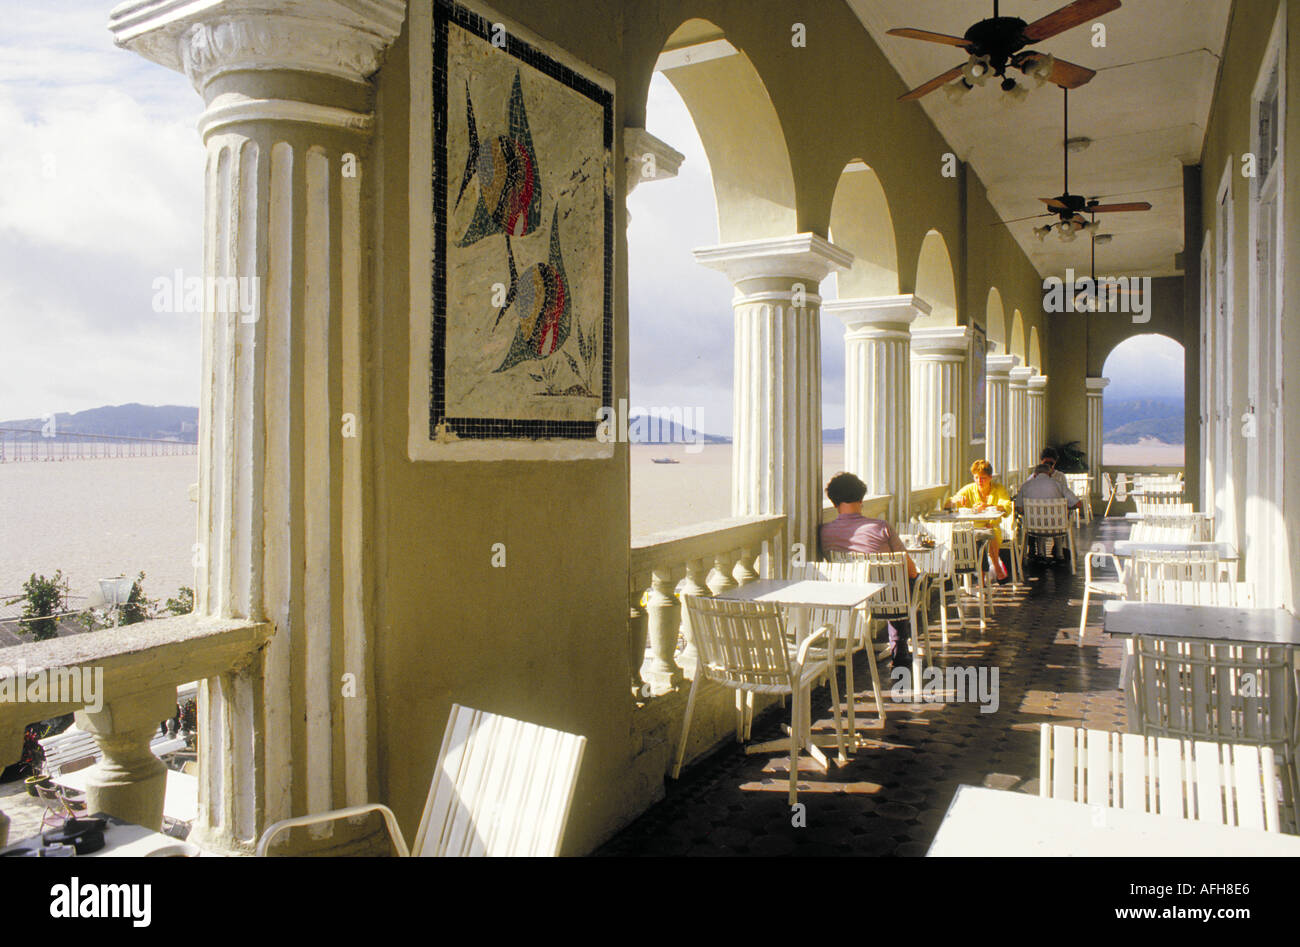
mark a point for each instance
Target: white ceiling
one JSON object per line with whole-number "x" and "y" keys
{"x": 1145, "y": 110}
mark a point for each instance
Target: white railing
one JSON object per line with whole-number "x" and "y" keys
{"x": 704, "y": 559}
{"x": 121, "y": 683}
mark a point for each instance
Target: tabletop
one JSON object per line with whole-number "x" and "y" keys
{"x": 1141, "y": 516}
{"x": 1224, "y": 551}
{"x": 124, "y": 839}
{"x": 1209, "y": 622}
{"x": 814, "y": 593}
{"x": 998, "y": 822}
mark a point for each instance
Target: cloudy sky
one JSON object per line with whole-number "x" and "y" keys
{"x": 103, "y": 193}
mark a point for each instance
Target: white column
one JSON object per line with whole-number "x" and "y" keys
{"x": 997, "y": 428}
{"x": 1037, "y": 392}
{"x": 283, "y": 516}
{"x": 877, "y": 399}
{"x": 776, "y": 461}
{"x": 1018, "y": 417}
{"x": 1093, "y": 390}
{"x": 940, "y": 404}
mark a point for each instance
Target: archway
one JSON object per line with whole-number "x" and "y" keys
{"x": 1016, "y": 343}
{"x": 707, "y": 102}
{"x": 738, "y": 126}
{"x": 935, "y": 282}
{"x": 1034, "y": 354}
{"x": 995, "y": 322}
{"x": 1142, "y": 407}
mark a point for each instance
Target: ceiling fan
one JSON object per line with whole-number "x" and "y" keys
{"x": 1088, "y": 298}
{"x": 998, "y": 43}
{"x": 1070, "y": 208}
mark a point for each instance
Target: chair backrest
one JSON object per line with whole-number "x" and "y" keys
{"x": 1159, "y": 506}
{"x": 960, "y": 545}
{"x": 1193, "y": 689}
{"x": 1079, "y": 484}
{"x": 1186, "y": 577}
{"x": 1154, "y": 530}
{"x": 1200, "y": 526}
{"x": 1220, "y": 783}
{"x": 889, "y": 568}
{"x": 1051, "y": 516}
{"x": 500, "y": 787}
{"x": 741, "y": 644}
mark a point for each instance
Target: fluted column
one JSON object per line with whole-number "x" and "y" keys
{"x": 940, "y": 404}
{"x": 1018, "y": 417}
{"x": 997, "y": 425}
{"x": 1093, "y": 390}
{"x": 877, "y": 400}
{"x": 776, "y": 457}
{"x": 1037, "y": 397}
{"x": 284, "y": 425}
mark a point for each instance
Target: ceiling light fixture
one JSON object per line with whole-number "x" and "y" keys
{"x": 1076, "y": 145}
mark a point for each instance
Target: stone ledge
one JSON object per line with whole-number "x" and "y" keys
{"x": 136, "y": 659}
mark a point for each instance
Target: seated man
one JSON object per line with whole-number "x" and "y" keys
{"x": 1042, "y": 486}
{"x": 853, "y": 532}
{"x": 1049, "y": 456}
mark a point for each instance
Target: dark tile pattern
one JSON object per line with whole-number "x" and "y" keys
{"x": 892, "y": 795}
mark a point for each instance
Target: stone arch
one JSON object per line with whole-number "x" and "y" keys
{"x": 1034, "y": 354}
{"x": 1016, "y": 344}
{"x": 1153, "y": 357}
{"x": 935, "y": 282}
{"x": 862, "y": 224}
{"x": 753, "y": 181}
{"x": 995, "y": 322}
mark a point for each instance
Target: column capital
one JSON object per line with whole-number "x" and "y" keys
{"x": 805, "y": 256}
{"x": 638, "y": 144}
{"x": 1000, "y": 366}
{"x": 1093, "y": 386}
{"x": 1020, "y": 375}
{"x": 207, "y": 38}
{"x": 878, "y": 315}
{"x": 1037, "y": 384}
{"x": 942, "y": 343}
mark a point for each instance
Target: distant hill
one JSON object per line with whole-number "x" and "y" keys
{"x": 656, "y": 430}
{"x": 1130, "y": 420}
{"x": 167, "y": 422}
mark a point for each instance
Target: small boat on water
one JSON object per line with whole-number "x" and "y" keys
{"x": 665, "y": 460}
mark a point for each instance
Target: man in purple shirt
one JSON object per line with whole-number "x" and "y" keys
{"x": 853, "y": 532}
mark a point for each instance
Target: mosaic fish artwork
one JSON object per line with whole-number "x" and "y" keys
{"x": 542, "y": 300}
{"x": 509, "y": 192}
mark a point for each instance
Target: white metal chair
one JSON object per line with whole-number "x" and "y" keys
{"x": 743, "y": 645}
{"x": 1220, "y": 783}
{"x": 964, "y": 561}
{"x": 1050, "y": 519}
{"x": 1199, "y": 526}
{"x": 1193, "y": 689}
{"x": 500, "y": 787}
{"x": 1180, "y": 577}
{"x": 900, "y": 599}
{"x": 1081, "y": 486}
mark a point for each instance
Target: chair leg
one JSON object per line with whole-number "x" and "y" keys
{"x": 875, "y": 682}
{"x": 796, "y": 738}
{"x": 1083, "y": 615}
{"x": 843, "y": 757}
{"x": 686, "y": 726}
{"x": 943, "y": 610}
{"x": 749, "y": 715}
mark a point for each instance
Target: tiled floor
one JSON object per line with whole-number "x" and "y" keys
{"x": 892, "y": 795}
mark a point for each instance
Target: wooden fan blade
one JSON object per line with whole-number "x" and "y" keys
{"x": 1021, "y": 219}
{"x": 1081, "y": 11}
{"x": 942, "y": 79}
{"x": 1053, "y": 203}
{"x": 1070, "y": 76}
{"x": 929, "y": 37}
{"x": 1117, "y": 208}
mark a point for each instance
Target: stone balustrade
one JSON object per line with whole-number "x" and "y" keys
{"x": 710, "y": 557}
{"x": 925, "y": 499}
{"x": 121, "y": 683}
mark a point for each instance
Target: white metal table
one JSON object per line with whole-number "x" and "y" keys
{"x": 1224, "y": 552}
{"x": 997, "y": 822}
{"x": 799, "y": 597}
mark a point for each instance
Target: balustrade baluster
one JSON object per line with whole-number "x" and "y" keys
{"x": 665, "y": 614}
{"x": 636, "y": 632}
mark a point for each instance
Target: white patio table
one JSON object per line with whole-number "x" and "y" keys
{"x": 798, "y": 597}
{"x": 997, "y": 822}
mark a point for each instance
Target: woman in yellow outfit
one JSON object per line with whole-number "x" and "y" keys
{"x": 982, "y": 494}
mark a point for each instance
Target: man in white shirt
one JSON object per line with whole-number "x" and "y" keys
{"x": 1043, "y": 486}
